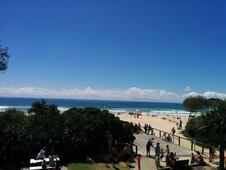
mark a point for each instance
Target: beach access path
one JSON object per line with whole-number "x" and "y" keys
{"x": 142, "y": 139}
{"x": 146, "y": 164}
{"x": 149, "y": 163}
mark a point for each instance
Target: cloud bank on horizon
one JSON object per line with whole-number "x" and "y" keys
{"x": 130, "y": 94}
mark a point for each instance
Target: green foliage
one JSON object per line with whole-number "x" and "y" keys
{"x": 193, "y": 126}
{"x": 84, "y": 131}
{"x": 4, "y": 56}
{"x": 210, "y": 127}
{"x": 96, "y": 166}
{"x": 194, "y": 104}
{"x": 215, "y": 123}
{"x": 14, "y": 137}
{"x": 90, "y": 130}
{"x": 46, "y": 123}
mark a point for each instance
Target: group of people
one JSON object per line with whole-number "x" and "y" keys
{"x": 170, "y": 157}
{"x": 167, "y": 137}
{"x": 128, "y": 154}
{"x": 52, "y": 159}
{"x": 136, "y": 128}
{"x": 197, "y": 159}
{"x": 179, "y": 125}
{"x": 148, "y": 129}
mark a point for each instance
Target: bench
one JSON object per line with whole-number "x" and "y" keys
{"x": 34, "y": 161}
{"x": 181, "y": 164}
{"x": 39, "y": 167}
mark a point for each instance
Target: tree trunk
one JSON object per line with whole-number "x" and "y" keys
{"x": 222, "y": 156}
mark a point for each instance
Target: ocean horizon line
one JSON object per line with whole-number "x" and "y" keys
{"x": 107, "y": 100}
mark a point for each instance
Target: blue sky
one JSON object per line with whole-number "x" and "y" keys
{"x": 175, "y": 46}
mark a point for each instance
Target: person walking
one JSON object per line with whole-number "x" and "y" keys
{"x": 157, "y": 155}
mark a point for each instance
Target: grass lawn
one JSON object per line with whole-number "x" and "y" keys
{"x": 96, "y": 166}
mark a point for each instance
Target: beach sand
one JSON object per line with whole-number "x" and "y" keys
{"x": 161, "y": 122}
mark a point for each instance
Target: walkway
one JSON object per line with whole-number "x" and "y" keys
{"x": 147, "y": 164}
{"x": 142, "y": 139}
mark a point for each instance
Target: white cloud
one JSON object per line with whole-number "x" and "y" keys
{"x": 132, "y": 93}
{"x": 207, "y": 94}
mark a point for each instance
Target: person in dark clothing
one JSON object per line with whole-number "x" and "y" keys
{"x": 211, "y": 153}
{"x": 157, "y": 155}
{"x": 148, "y": 147}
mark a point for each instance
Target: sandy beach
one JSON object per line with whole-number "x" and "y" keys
{"x": 162, "y": 122}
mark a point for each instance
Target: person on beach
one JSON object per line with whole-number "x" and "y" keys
{"x": 161, "y": 154}
{"x": 168, "y": 138}
{"x": 192, "y": 158}
{"x": 149, "y": 129}
{"x": 41, "y": 154}
{"x": 127, "y": 154}
{"x": 172, "y": 160}
{"x": 52, "y": 162}
{"x": 148, "y": 146}
{"x": 167, "y": 151}
{"x": 138, "y": 158}
{"x": 157, "y": 155}
{"x": 173, "y": 131}
{"x": 180, "y": 124}
{"x": 200, "y": 159}
{"x": 211, "y": 153}
{"x": 145, "y": 128}
{"x": 164, "y": 136}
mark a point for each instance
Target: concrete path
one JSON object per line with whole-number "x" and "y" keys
{"x": 142, "y": 139}
{"x": 147, "y": 164}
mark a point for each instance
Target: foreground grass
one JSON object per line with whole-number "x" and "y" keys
{"x": 96, "y": 166}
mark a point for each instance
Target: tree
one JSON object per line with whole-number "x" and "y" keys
{"x": 46, "y": 124}
{"x": 215, "y": 127}
{"x": 210, "y": 126}
{"x": 14, "y": 138}
{"x": 4, "y": 56}
{"x": 73, "y": 135}
{"x": 195, "y": 104}
{"x": 90, "y": 131}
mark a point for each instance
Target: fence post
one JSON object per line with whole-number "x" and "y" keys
{"x": 202, "y": 149}
{"x": 160, "y": 133}
{"x": 192, "y": 144}
{"x": 179, "y": 140}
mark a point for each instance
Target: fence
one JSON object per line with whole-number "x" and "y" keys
{"x": 184, "y": 142}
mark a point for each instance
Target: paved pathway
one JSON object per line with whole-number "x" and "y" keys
{"x": 147, "y": 164}
{"x": 142, "y": 139}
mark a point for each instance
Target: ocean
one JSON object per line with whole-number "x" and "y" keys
{"x": 24, "y": 104}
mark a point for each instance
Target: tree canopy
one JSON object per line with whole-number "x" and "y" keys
{"x": 210, "y": 126}
{"x": 194, "y": 104}
{"x": 73, "y": 134}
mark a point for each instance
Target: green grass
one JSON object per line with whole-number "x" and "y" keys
{"x": 96, "y": 166}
